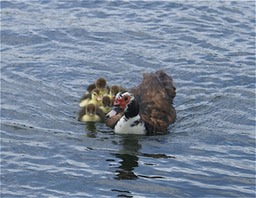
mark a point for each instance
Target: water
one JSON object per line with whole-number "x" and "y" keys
{"x": 51, "y": 51}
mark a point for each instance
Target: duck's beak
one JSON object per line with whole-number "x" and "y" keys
{"x": 114, "y": 111}
{"x": 111, "y": 113}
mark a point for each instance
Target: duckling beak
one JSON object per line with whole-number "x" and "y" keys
{"x": 98, "y": 98}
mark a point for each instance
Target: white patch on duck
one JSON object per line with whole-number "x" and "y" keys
{"x": 130, "y": 126}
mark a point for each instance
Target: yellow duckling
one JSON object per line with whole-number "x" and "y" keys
{"x": 91, "y": 113}
{"x": 106, "y": 104}
{"x": 94, "y": 97}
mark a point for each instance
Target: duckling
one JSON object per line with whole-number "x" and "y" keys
{"x": 106, "y": 104}
{"x": 114, "y": 90}
{"x": 93, "y": 97}
{"x": 91, "y": 113}
{"x": 100, "y": 84}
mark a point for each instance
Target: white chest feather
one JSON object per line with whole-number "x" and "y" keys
{"x": 130, "y": 126}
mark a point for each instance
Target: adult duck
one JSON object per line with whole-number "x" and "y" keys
{"x": 146, "y": 108}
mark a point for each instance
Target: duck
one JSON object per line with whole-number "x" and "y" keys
{"x": 94, "y": 97}
{"x": 106, "y": 104}
{"x": 100, "y": 84}
{"x": 114, "y": 89}
{"x": 91, "y": 113}
{"x": 146, "y": 109}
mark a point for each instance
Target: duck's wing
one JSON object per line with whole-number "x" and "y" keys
{"x": 167, "y": 83}
{"x": 155, "y": 95}
{"x": 111, "y": 122}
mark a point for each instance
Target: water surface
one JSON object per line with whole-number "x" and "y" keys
{"x": 52, "y": 50}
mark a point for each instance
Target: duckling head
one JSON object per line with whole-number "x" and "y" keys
{"x": 106, "y": 102}
{"x": 101, "y": 83}
{"x": 96, "y": 96}
{"x": 114, "y": 90}
{"x": 90, "y": 109}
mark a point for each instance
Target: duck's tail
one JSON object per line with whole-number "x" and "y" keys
{"x": 167, "y": 83}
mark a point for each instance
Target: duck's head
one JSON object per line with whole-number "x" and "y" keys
{"x": 122, "y": 99}
{"x": 96, "y": 96}
{"x": 124, "y": 102}
{"x": 106, "y": 102}
{"x": 91, "y": 109}
{"x": 101, "y": 83}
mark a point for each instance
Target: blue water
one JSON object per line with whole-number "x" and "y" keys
{"x": 52, "y": 50}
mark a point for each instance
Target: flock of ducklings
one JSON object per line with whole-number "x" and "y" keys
{"x": 97, "y": 101}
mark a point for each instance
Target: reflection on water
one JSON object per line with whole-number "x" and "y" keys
{"x": 127, "y": 165}
{"x": 91, "y": 128}
{"x": 129, "y": 157}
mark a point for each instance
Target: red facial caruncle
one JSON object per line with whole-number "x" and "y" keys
{"x": 122, "y": 100}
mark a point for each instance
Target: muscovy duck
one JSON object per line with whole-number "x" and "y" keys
{"x": 146, "y": 108}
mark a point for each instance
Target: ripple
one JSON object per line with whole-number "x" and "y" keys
{"x": 51, "y": 51}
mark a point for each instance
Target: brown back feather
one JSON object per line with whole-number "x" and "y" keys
{"x": 155, "y": 95}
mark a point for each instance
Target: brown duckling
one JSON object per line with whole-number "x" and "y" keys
{"x": 107, "y": 104}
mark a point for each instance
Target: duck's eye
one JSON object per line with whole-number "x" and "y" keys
{"x": 126, "y": 98}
